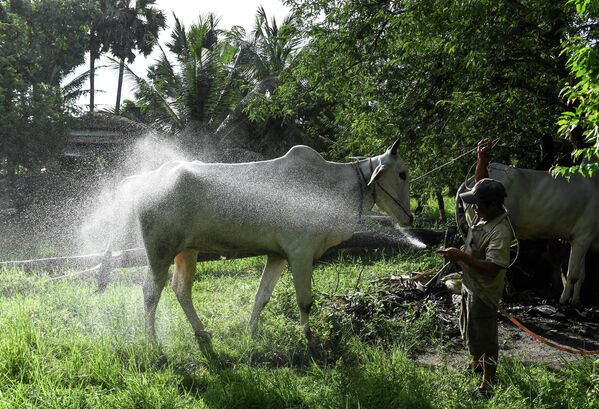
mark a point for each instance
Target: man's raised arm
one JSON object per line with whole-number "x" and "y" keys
{"x": 482, "y": 161}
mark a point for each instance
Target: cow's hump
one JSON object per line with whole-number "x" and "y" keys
{"x": 304, "y": 153}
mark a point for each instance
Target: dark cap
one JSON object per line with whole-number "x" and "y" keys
{"x": 485, "y": 190}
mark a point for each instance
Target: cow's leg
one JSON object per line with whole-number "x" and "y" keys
{"x": 185, "y": 269}
{"x": 270, "y": 276}
{"x": 152, "y": 289}
{"x": 576, "y": 272}
{"x": 301, "y": 270}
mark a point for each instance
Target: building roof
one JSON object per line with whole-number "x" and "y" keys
{"x": 109, "y": 125}
{"x": 96, "y": 130}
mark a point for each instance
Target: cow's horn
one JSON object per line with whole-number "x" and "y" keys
{"x": 394, "y": 147}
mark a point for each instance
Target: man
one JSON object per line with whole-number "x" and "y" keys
{"x": 484, "y": 261}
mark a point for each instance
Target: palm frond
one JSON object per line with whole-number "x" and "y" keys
{"x": 164, "y": 77}
{"x": 179, "y": 42}
{"x": 72, "y": 90}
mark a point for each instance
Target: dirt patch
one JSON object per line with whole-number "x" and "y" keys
{"x": 573, "y": 327}
{"x": 399, "y": 300}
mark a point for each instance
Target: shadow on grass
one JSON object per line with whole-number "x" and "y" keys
{"x": 379, "y": 382}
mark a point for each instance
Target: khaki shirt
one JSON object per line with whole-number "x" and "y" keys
{"x": 489, "y": 241}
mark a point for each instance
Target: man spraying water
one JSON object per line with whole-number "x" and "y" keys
{"x": 484, "y": 261}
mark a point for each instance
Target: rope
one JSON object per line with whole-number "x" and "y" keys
{"x": 495, "y": 142}
{"x": 445, "y": 164}
{"x": 517, "y": 242}
{"x": 25, "y": 263}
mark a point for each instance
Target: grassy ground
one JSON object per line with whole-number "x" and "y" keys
{"x": 429, "y": 216}
{"x": 63, "y": 346}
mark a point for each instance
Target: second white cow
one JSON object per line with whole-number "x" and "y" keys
{"x": 542, "y": 206}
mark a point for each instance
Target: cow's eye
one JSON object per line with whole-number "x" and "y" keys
{"x": 403, "y": 175}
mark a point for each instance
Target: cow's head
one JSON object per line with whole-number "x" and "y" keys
{"x": 390, "y": 184}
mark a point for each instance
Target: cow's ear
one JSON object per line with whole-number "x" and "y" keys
{"x": 377, "y": 172}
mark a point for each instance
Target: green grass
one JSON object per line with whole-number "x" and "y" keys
{"x": 431, "y": 216}
{"x": 63, "y": 346}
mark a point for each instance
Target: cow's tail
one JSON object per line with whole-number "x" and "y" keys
{"x": 106, "y": 267}
{"x": 119, "y": 228}
{"x": 106, "y": 263}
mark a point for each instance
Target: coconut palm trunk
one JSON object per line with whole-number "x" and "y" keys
{"x": 119, "y": 90}
{"x": 92, "y": 73}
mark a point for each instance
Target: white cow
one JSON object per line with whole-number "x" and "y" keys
{"x": 542, "y": 206}
{"x": 292, "y": 209}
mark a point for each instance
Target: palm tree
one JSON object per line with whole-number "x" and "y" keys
{"x": 135, "y": 26}
{"x": 275, "y": 45}
{"x": 263, "y": 57}
{"x": 214, "y": 73}
{"x": 99, "y": 29}
{"x": 187, "y": 89}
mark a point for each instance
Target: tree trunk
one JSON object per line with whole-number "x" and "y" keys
{"x": 547, "y": 153}
{"x": 92, "y": 73}
{"x": 441, "y": 204}
{"x": 117, "y": 107}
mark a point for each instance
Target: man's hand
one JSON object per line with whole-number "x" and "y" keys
{"x": 483, "y": 148}
{"x": 453, "y": 254}
{"x": 461, "y": 258}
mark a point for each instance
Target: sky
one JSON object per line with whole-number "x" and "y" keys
{"x": 230, "y": 12}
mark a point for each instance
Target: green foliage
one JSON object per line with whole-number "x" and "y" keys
{"x": 52, "y": 39}
{"x": 40, "y": 126}
{"x": 581, "y": 125}
{"x": 441, "y": 75}
{"x": 42, "y": 41}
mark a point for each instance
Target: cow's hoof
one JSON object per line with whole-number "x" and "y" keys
{"x": 565, "y": 300}
{"x": 252, "y": 330}
{"x": 316, "y": 348}
{"x": 204, "y": 340}
{"x": 102, "y": 286}
{"x": 103, "y": 277}
{"x": 566, "y": 294}
{"x": 161, "y": 361}
{"x": 574, "y": 302}
{"x": 203, "y": 336}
